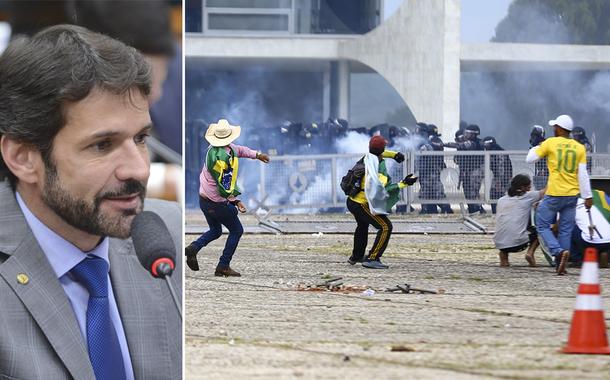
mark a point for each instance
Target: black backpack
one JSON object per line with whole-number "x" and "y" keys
{"x": 350, "y": 183}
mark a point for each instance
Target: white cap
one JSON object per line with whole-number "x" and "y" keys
{"x": 564, "y": 121}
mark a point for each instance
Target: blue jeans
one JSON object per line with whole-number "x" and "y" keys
{"x": 218, "y": 214}
{"x": 546, "y": 214}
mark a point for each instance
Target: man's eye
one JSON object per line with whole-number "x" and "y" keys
{"x": 101, "y": 146}
{"x": 141, "y": 138}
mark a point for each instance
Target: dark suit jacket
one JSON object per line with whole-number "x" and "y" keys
{"x": 39, "y": 335}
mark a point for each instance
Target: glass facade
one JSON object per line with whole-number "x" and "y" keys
{"x": 249, "y": 3}
{"x": 193, "y": 13}
{"x": 252, "y": 22}
{"x": 225, "y": 17}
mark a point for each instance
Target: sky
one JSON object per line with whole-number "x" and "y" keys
{"x": 479, "y": 17}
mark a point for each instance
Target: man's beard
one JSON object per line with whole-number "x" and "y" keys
{"x": 87, "y": 216}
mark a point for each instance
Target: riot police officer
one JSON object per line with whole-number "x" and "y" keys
{"x": 502, "y": 170}
{"x": 471, "y": 167}
{"x": 541, "y": 172}
{"x": 579, "y": 134}
{"x": 438, "y": 164}
{"x": 424, "y": 167}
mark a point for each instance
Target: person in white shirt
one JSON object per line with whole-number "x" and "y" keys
{"x": 584, "y": 237}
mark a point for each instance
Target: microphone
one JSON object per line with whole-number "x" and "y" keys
{"x": 155, "y": 248}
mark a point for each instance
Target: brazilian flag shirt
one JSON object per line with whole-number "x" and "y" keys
{"x": 218, "y": 178}
{"x": 223, "y": 167}
{"x": 563, "y": 157}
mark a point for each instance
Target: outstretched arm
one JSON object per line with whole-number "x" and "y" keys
{"x": 532, "y": 156}
{"x": 585, "y": 185}
{"x": 397, "y": 156}
{"x": 244, "y": 151}
{"x": 262, "y": 157}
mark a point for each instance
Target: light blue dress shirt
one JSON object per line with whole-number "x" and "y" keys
{"x": 63, "y": 256}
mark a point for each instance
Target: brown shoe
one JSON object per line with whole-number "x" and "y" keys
{"x": 226, "y": 272}
{"x": 191, "y": 257}
{"x": 504, "y": 259}
{"x": 564, "y": 256}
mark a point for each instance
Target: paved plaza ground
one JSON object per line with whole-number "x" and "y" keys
{"x": 487, "y": 322}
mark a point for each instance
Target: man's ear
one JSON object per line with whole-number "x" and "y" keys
{"x": 22, "y": 159}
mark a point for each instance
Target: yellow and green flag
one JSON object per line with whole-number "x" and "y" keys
{"x": 223, "y": 168}
{"x": 602, "y": 202}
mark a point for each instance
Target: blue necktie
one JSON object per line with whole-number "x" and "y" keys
{"x": 104, "y": 348}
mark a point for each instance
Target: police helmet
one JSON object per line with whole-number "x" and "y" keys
{"x": 578, "y": 133}
{"x": 422, "y": 129}
{"x": 537, "y": 130}
{"x": 433, "y": 130}
{"x": 473, "y": 128}
{"x": 471, "y": 132}
{"x": 459, "y": 135}
{"x": 489, "y": 141}
{"x": 536, "y": 135}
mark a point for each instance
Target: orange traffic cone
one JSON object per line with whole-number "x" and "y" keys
{"x": 588, "y": 331}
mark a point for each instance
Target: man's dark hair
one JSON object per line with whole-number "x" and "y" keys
{"x": 40, "y": 75}
{"x": 517, "y": 184}
{"x": 145, "y": 25}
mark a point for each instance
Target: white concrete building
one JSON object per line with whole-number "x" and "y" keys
{"x": 417, "y": 50}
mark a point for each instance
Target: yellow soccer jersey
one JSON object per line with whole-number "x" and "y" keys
{"x": 563, "y": 157}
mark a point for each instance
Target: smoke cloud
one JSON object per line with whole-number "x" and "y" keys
{"x": 507, "y": 104}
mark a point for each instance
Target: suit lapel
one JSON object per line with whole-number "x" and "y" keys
{"x": 139, "y": 299}
{"x": 45, "y": 299}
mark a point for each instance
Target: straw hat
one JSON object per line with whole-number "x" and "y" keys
{"x": 222, "y": 133}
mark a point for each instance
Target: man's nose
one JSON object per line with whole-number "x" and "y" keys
{"x": 134, "y": 163}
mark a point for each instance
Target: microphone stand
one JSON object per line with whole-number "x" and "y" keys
{"x": 164, "y": 270}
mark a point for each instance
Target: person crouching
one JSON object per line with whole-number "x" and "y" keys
{"x": 372, "y": 204}
{"x": 514, "y": 231}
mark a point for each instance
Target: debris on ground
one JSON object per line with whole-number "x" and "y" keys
{"x": 401, "y": 348}
{"x": 330, "y": 283}
{"x": 406, "y": 288}
{"x": 333, "y": 283}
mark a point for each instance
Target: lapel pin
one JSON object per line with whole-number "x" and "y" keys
{"x": 23, "y": 278}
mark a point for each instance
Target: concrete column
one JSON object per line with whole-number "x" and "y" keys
{"x": 343, "y": 73}
{"x": 339, "y": 89}
{"x": 326, "y": 103}
{"x": 417, "y": 51}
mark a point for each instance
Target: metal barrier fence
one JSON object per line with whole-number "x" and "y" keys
{"x": 298, "y": 184}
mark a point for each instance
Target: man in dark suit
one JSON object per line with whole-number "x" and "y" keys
{"x": 76, "y": 303}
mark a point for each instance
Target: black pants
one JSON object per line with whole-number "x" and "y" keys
{"x": 364, "y": 218}
{"x": 578, "y": 246}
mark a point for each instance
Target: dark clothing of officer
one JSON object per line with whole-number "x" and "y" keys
{"x": 429, "y": 168}
{"x": 471, "y": 167}
{"x": 423, "y": 165}
{"x": 579, "y": 134}
{"x": 502, "y": 170}
{"x": 541, "y": 171}
{"x": 438, "y": 164}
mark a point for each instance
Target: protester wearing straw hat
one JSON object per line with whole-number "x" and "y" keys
{"x": 218, "y": 193}
{"x": 568, "y": 177}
